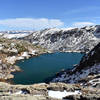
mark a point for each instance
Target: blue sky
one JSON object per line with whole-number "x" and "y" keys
{"x": 40, "y": 14}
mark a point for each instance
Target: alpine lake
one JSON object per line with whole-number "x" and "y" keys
{"x": 38, "y": 69}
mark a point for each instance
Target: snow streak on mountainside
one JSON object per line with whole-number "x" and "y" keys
{"x": 66, "y": 40}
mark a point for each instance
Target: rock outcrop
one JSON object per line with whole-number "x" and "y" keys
{"x": 52, "y": 91}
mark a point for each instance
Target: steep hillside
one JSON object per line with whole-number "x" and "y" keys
{"x": 90, "y": 59}
{"x": 89, "y": 66}
{"x": 70, "y": 40}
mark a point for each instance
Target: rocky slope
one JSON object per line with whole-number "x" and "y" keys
{"x": 52, "y": 91}
{"x": 86, "y": 71}
{"x": 12, "y": 50}
{"x": 66, "y": 40}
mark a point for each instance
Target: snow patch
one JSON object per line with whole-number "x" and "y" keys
{"x": 25, "y": 54}
{"x": 19, "y": 92}
{"x": 60, "y": 95}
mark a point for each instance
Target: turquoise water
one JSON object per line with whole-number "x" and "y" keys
{"x": 37, "y": 69}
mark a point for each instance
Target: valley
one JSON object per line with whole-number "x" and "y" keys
{"x": 81, "y": 82}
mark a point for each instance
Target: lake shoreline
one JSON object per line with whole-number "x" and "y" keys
{"x": 59, "y": 71}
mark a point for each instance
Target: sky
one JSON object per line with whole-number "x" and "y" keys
{"x": 40, "y": 14}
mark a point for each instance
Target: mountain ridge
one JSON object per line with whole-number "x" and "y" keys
{"x": 66, "y": 40}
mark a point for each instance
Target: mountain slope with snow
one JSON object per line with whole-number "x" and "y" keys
{"x": 89, "y": 65}
{"x": 14, "y": 34}
{"x": 66, "y": 40}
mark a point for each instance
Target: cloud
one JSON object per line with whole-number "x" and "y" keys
{"x": 31, "y": 23}
{"x": 81, "y": 24}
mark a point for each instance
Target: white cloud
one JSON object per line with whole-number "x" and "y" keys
{"x": 31, "y": 23}
{"x": 81, "y": 24}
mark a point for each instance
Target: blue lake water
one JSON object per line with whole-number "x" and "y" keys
{"x": 37, "y": 69}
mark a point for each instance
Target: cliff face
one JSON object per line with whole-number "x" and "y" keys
{"x": 73, "y": 40}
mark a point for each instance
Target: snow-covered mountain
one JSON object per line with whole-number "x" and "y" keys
{"x": 14, "y": 34}
{"x": 54, "y": 39}
{"x": 70, "y": 40}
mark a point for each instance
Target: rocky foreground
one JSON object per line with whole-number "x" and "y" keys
{"x": 52, "y": 91}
